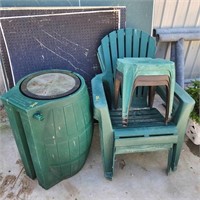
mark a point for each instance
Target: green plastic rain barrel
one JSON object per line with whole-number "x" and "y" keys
{"x": 49, "y": 113}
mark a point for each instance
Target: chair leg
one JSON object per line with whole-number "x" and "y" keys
{"x": 167, "y": 104}
{"x": 176, "y": 156}
{"x": 106, "y": 142}
{"x": 170, "y": 155}
{"x": 117, "y": 90}
{"x": 152, "y": 90}
{"x": 113, "y": 165}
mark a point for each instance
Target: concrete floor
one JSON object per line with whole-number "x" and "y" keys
{"x": 137, "y": 176}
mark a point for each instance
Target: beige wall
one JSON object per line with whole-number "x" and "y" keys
{"x": 180, "y": 13}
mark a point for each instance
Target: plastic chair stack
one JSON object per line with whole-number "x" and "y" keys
{"x": 134, "y": 72}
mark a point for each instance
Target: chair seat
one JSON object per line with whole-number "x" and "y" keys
{"x": 146, "y": 122}
{"x": 146, "y": 131}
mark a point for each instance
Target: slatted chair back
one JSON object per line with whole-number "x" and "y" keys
{"x": 124, "y": 43}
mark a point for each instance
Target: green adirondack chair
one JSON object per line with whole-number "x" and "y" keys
{"x": 146, "y": 130}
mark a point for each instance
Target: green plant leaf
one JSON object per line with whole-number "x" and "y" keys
{"x": 194, "y": 91}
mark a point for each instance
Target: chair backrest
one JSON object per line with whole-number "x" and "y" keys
{"x": 124, "y": 43}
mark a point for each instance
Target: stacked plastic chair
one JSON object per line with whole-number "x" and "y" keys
{"x": 135, "y": 72}
{"x": 146, "y": 130}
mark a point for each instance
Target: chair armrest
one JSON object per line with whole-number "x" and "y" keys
{"x": 99, "y": 98}
{"x": 101, "y": 113}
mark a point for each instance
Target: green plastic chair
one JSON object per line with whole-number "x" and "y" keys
{"x": 146, "y": 130}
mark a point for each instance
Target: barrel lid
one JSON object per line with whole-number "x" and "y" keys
{"x": 50, "y": 84}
